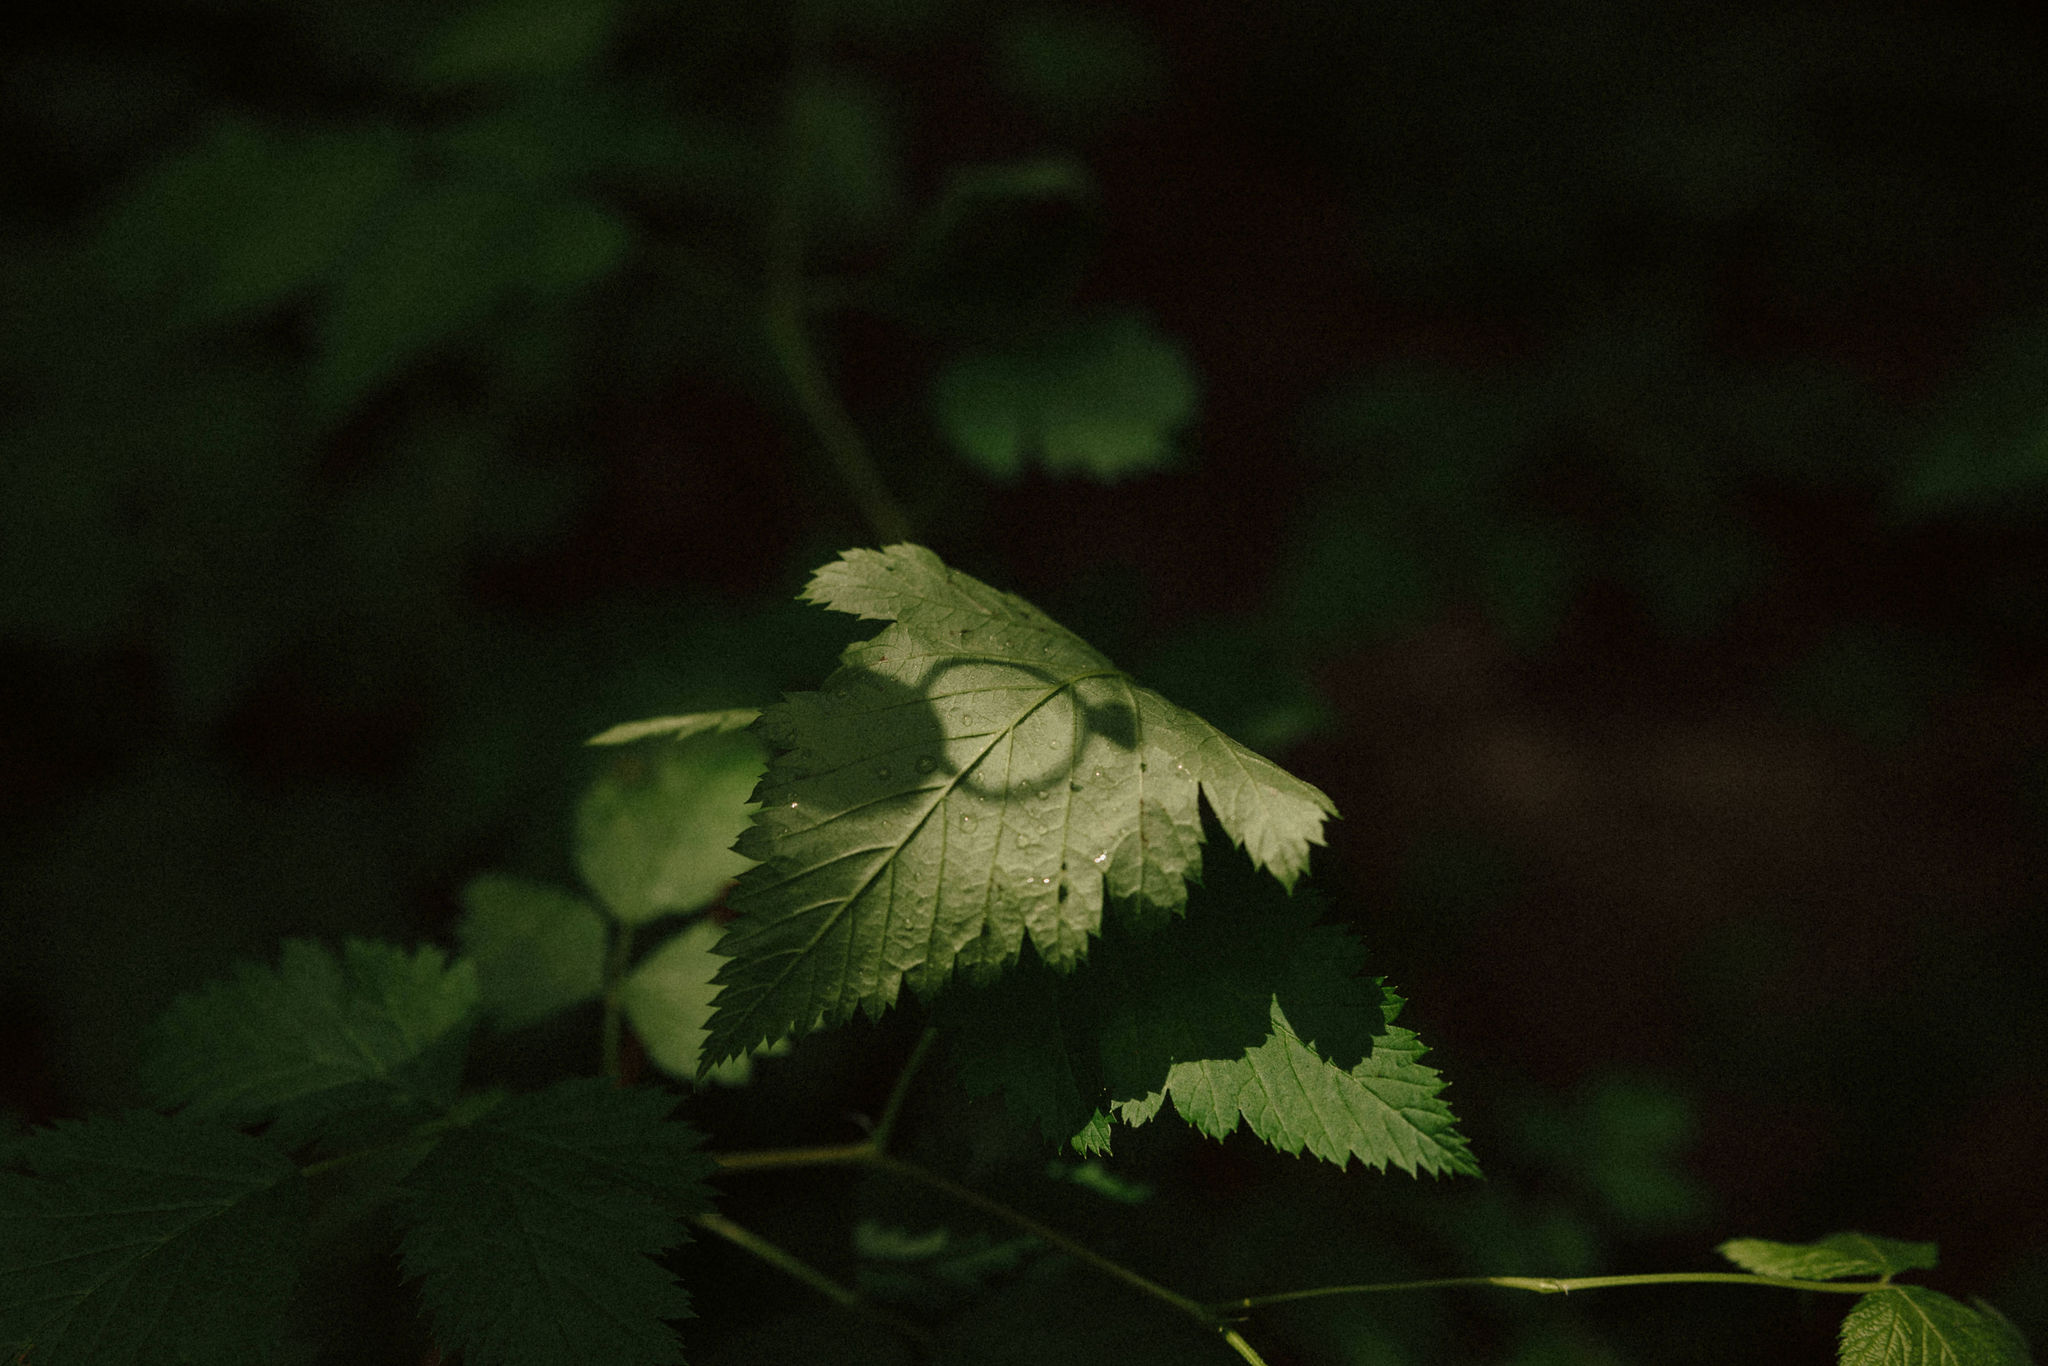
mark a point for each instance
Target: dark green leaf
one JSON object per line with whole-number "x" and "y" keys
{"x": 534, "y": 1229}
{"x": 137, "y": 1240}
{"x": 244, "y": 1049}
{"x": 1103, "y": 398}
{"x": 537, "y": 949}
{"x": 1246, "y": 1011}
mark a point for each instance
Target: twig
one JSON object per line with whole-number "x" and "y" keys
{"x": 798, "y": 1269}
{"x": 789, "y": 334}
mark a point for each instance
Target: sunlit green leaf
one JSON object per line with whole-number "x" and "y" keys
{"x": 654, "y": 833}
{"x": 677, "y": 727}
{"x": 973, "y": 776}
{"x": 667, "y": 1000}
{"x": 1912, "y": 1326}
{"x": 1830, "y": 1258}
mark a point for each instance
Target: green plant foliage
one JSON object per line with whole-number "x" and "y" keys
{"x": 1624, "y": 1139}
{"x": 1078, "y": 68}
{"x": 972, "y": 776}
{"x": 932, "y": 1270}
{"x": 846, "y": 144}
{"x": 1102, "y": 398}
{"x": 1246, "y": 1011}
{"x": 515, "y": 40}
{"x": 137, "y": 1239}
{"x": 1831, "y": 1258}
{"x": 537, "y": 949}
{"x": 1911, "y": 1326}
{"x": 383, "y": 1022}
{"x": 654, "y": 833}
{"x": 250, "y": 218}
{"x": 533, "y": 1229}
{"x": 667, "y": 999}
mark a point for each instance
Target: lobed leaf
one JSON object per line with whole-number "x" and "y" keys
{"x": 1909, "y": 1325}
{"x": 1830, "y": 1258}
{"x": 139, "y": 1239}
{"x": 973, "y": 778}
{"x": 377, "y": 1019}
{"x": 534, "y": 1230}
{"x": 667, "y": 1000}
{"x": 1245, "y": 1012}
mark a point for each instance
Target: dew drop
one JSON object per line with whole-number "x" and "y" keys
{"x": 925, "y": 763}
{"x": 967, "y": 822}
{"x": 1100, "y": 859}
{"x": 1045, "y": 881}
{"x": 882, "y": 773}
{"x": 792, "y": 806}
{"x": 1098, "y": 775}
{"x": 1024, "y": 841}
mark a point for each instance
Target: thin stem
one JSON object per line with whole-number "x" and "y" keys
{"x": 620, "y": 954}
{"x": 1045, "y": 1234}
{"x": 789, "y": 334}
{"x": 839, "y": 1155}
{"x": 1242, "y": 1348}
{"x": 893, "y": 1106}
{"x": 796, "y": 1268}
{"x": 1558, "y": 1285}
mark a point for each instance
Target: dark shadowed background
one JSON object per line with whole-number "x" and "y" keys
{"x": 1604, "y": 445}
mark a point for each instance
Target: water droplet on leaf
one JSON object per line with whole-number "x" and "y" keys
{"x": 925, "y": 763}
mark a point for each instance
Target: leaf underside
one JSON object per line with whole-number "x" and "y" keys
{"x": 1245, "y": 1012}
{"x": 973, "y": 778}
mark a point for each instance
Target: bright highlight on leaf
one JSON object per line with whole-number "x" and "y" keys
{"x": 1103, "y": 398}
{"x": 1831, "y": 1258}
{"x": 1248, "y": 1012}
{"x": 1911, "y": 1326}
{"x": 973, "y": 777}
{"x": 654, "y": 834}
{"x": 243, "y": 1050}
{"x": 534, "y": 1229}
{"x": 138, "y": 1238}
{"x": 667, "y": 1000}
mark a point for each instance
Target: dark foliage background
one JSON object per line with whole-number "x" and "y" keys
{"x": 1618, "y": 477}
